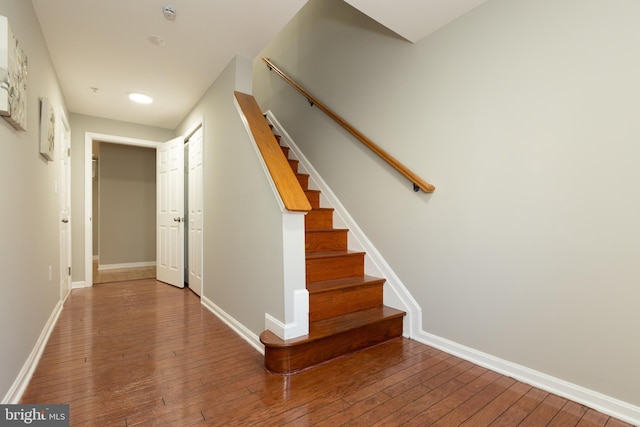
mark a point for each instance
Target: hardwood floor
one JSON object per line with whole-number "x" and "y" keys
{"x": 144, "y": 353}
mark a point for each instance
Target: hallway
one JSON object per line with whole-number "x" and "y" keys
{"x": 142, "y": 353}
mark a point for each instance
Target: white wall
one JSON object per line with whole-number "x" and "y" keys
{"x": 523, "y": 114}
{"x": 80, "y": 125}
{"x": 243, "y": 267}
{"x": 29, "y": 210}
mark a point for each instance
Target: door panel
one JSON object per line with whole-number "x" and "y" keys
{"x": 65, "y": 209}
{"x": 170, "y": 219}
{"x": 195, "y": 211}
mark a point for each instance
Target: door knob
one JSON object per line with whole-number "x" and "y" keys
{"x": 65, "y": 221}
{"x": 177, "y": 219}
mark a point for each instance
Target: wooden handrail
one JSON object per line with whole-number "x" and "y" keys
{"x": 418, "y": 183}
{"x": 285, "y": 180}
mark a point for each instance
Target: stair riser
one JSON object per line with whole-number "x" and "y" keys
{"x": 324, "y": 305}
{"x": 303, "y": 180}
{"x": 314, "y": 198}
{"x": 320, "y": 241}
{"x": 285, "y": 150}
{"x": 318, "y": 219}
{"x": 291, "y": 359}
{"x": 334, "y": 267}
{"x": 293, "y": 164}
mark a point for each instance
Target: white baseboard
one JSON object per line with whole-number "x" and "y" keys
{"x": 238, "y": 327}
{"x": 607, "y": 405}
{"x": 22, "y": 381}
{"x": 103, "y": 267}
{"x": 79, "y": 285}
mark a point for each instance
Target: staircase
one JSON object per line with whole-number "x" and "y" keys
{"x": 346, "y": 310}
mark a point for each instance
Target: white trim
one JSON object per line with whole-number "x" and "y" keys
{"x": 89, "y": 137}
{"x": 395, "y": 293}
{"x": 22, "y": 380}
{"x": 79, "y": 285}
{"x": 199, "y": 123}
{"x": 593, "y": 399}
{"x": 102, "y": 267}
{"x": 238, "y": 327}
{"x": 295, "y": 294}
{"x": 300, "y": 326}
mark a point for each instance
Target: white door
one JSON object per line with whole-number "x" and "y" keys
{"x": 195, "y": 212}
{"x": 64, "y": 184}
{"x": 170, "y": 208}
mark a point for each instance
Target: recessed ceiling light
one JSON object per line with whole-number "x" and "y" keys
{"x": 140, "y": 98}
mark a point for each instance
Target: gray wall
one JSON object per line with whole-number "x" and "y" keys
{"x": 243, "y": 266}
{"x": 523, "y": 114}
{"x": 29, "y": 218}
{"x": 80, "y": 125}
{"x": 127, "y": 204}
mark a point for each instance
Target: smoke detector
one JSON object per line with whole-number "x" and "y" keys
{"x": 169, "y": 12}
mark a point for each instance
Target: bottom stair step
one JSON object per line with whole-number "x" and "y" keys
{"x": 331, "y": 338}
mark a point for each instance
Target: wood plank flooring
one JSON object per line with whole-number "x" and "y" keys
{"x": 142, "y": 353}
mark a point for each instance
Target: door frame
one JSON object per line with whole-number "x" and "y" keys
{"x": 89, "y": 137}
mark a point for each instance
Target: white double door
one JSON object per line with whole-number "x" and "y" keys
{"x": 172, "y": 223}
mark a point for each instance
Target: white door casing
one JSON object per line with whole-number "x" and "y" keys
{"x": 170, "y": 212}
{"x": 89, "y": 137}
{"x": 195, "y": 209}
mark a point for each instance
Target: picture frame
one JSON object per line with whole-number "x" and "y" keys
{"x": 13, "y": 78}
{"x": 47, "y": 129}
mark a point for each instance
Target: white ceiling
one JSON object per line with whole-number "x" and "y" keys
{"x": 104, "y": 44}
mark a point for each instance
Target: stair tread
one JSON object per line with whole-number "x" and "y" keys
{"x": 322, "y": 209}
{"x": 327, "y": 230}
{"x": 321, "y": 329}
{"x": 343, "y": 283}
{"x": 332, "y": 254}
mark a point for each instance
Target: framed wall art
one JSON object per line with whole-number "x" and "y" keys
{"x": 47, "y": 129}
{"x": 13, "y": 78}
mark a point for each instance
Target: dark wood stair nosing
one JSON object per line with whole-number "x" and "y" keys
{"x": 344, "y": 283}
{"x": 333, "y": 254}
{"x": 327, "y": 230}
{"x": 334, "y": 326}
